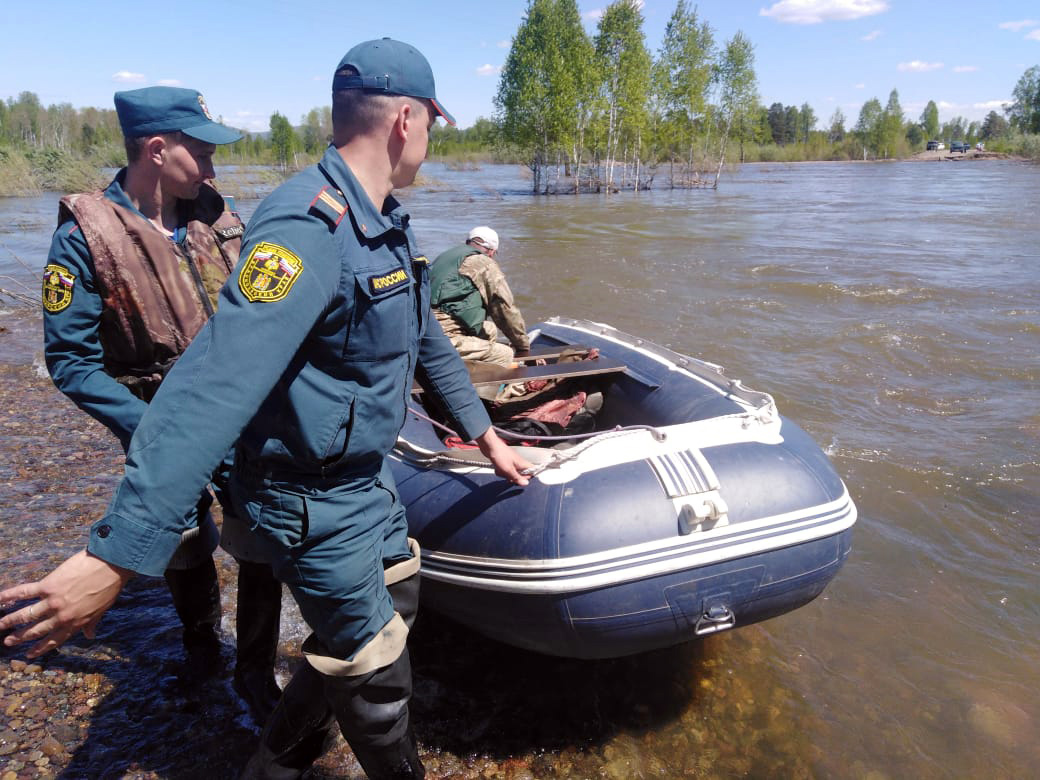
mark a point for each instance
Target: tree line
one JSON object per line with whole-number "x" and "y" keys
{"x": 584, "y": 112}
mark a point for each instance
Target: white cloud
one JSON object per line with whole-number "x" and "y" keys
{"x": 872, "y": 36}
{"x": 592, "y": 15}
{"x": 128, "y": 77}
{"x": 916, "y": 66}
{"x": 1033, "y": 36}
{"x": 169, "y": 82}
{"x": 861, "y": 85}
{"x": 251, "y": 121}
{"x": 817, "y": 11}
{"x": 1018, "y": 26}
{"x": 489, "y": 70}
{"x": 990, "y": 105}
{"x": 965, "y": 68}
{"x": 504, "y": 44}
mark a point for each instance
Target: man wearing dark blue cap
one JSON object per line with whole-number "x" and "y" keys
{"x": 132, "y": 275}
{"x": 317, "y": 340}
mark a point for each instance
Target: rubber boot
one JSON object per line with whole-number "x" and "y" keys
{"x": 300, "y": 729}
{"x": 258, "y": 617}
{"x": 372, "y": 711}
{"x": 196, "y": 597}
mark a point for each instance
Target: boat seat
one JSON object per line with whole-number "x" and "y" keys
{"x": 550, "y": 353}
{"x": 489, "y": 375}
{"x": 485, "y": 374}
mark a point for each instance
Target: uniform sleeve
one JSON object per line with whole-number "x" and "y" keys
{"x": 72, "y": 348}
{"x": 486, "y": 274}
{"x": 209, "y": 396}
{"x": 442, "y": 372}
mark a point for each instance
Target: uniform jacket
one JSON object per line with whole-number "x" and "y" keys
{"x": 316, "y": 341}
{"x": 477, "y": 274}
{"x": 122, "y": 301}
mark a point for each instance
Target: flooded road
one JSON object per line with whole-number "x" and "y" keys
{"x": 893, "y": 310}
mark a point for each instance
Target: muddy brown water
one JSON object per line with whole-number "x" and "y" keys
{"x": 893, "y": 310}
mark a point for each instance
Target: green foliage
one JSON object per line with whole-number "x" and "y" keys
{"x": 547, "y": 84}
{"x": 624, "y": 62}
{"x": 682, "y": 77}
{"x": 994, "y": 126}
{"x": 283, "y": 140}
{"x": 1024, "y": 113}
{"x": 930, "y": 120}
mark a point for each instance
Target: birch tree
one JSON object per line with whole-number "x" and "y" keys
{"x": 544, "y": 97}
{"x": 625, "y": 64}
{"x": 682, "y": 77}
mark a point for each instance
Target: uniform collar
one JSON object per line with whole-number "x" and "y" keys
{"x": 117, "y": 194}
{"x": 370, "y": 221}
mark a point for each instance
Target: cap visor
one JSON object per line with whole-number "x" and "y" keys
{"x": 213, "y": 133}
{"x": 440, "y": 110}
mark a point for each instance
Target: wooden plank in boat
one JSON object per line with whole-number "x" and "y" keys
{"x": 483, "y": 374}
{"x": 550, "y": 353}
{"x": 487, "y": 374}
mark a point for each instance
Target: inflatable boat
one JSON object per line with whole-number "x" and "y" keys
{"x": 691, "y": 507}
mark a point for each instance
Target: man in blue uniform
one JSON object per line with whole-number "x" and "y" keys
{"x": 133, "y": 274}
{"x": 314, "y": 348}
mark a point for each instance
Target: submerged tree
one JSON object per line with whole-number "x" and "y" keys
{"x": 625, "y": 65}
{"x": 738, "y": 96}
{"x": 542, "y": 103}
{"x": 681, "y": 79}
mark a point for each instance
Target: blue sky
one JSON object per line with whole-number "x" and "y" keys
{"x": 252, "y": 59}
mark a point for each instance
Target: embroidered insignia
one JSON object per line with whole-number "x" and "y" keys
{"x": 58, "y": 283}
{"x": 387, "y": 282}
{"x": 269, "y": 273}
{"x": 330, "y": 206}
{"x": 228, "y": 233}
{"x": 202, "y": 105}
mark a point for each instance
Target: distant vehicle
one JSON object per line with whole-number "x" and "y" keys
{"x": 941, "y": 146}
{"x": 980, "y": 146}
{"x": 959, "y": 146}
{"x": 932, "y": 146}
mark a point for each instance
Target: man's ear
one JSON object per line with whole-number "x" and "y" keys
{"x": 155, "y": 149}
{"x": 403, "y": 119}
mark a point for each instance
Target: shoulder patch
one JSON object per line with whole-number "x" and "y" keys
{"x": 330, "y": 205}
{"x": 58, "y": 284}
{"x": 269, "y": 273}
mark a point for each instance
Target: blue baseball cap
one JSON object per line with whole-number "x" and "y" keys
{"x": 390, "y": 66}
{"x": 158, "y": 110}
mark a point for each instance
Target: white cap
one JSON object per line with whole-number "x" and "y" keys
{"x": 485, "y": 235}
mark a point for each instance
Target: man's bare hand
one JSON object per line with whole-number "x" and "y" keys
{"x": 71, "y": 598}
{"x": 508, "y": 464}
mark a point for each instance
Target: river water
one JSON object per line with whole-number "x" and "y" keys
{"x": 893, "y": 310}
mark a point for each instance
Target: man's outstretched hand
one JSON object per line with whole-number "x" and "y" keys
{"x": 71, "y": 598}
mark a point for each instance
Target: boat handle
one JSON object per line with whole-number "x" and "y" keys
{"x": 715, "y": 618}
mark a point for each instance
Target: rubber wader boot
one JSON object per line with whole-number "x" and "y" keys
{"x": 196, "y": 597}
{"x": 258, "y": 617}
{"x": 300, "y": 729}
{"x": 372, "y": 711}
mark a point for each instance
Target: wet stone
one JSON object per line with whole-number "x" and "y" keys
{"x": 51, "y": 747}
{"x": 17, "y": 665}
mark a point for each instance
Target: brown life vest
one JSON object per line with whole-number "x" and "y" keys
{"x": 156, "y": 294}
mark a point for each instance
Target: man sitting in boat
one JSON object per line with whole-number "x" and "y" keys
{"x": 473, "y": 302}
